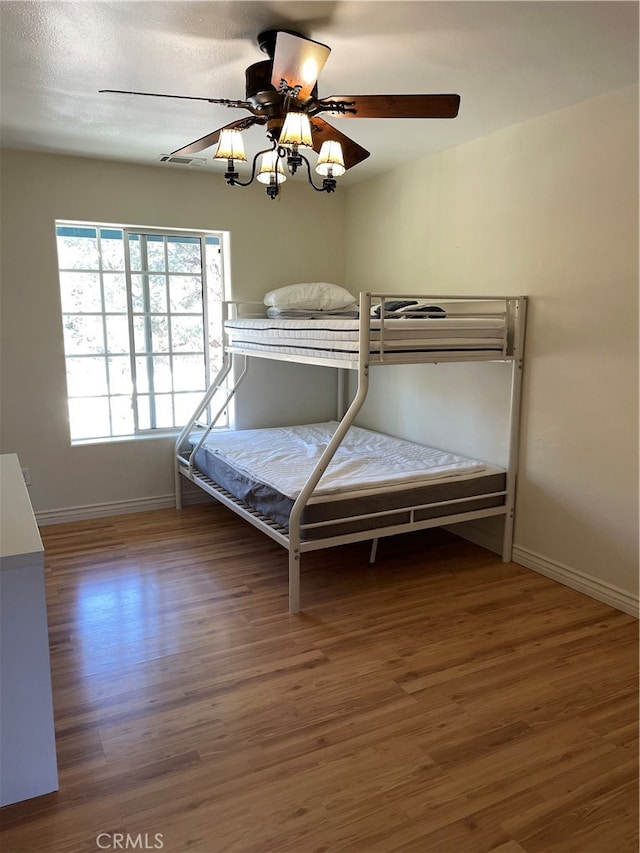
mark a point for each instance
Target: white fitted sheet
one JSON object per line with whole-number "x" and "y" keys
{"x": 363, "y": 461}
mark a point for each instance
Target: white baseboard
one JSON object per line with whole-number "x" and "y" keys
{"x": 82, "y": 513}
{"x": 580, "y": 581}
{"x": 601, "y": 590}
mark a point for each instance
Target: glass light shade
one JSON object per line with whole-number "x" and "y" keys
{"x": 296, "y": 130}
{"x": 230, "y": 146}
{"x": 330, "y": 161}
{"x": 269, "y": 162}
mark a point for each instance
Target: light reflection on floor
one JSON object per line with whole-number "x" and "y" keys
{"x": 122, "y": 620}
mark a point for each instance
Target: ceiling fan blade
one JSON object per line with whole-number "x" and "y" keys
{"x": 211, "y": 138}
{"x": 297, "y": 62}
{"x": 351, "y": 151}
{"x": 225, "y": 101}
{"x": 396, "y": 106}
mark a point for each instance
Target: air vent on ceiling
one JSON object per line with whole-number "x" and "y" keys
{"x": 182, "y": 161}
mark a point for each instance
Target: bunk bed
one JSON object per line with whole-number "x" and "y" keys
{"x": 343, "y": 492}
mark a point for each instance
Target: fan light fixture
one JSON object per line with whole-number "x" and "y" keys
{"x": 271, "y": 169}
{"x": 281, "y": 92}
{"x": 231, "y": 146}
{"x": 296, "y": 133}
{"x": 330, "y": 162}
{"x": 296, "y": 130}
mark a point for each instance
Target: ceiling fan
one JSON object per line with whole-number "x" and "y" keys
{"x": 286, "y": 83}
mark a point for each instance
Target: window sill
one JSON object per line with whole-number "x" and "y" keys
{"x": 120, "y": 439}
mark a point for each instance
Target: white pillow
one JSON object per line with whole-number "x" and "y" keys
{"x": 314, "y": 296}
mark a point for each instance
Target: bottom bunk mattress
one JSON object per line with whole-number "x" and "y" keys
{"x": 373, "y": 480}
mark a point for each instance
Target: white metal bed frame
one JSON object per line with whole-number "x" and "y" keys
{"x": 514, "y": 311}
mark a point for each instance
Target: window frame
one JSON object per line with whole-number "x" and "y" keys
{"x": 136, "y": 396}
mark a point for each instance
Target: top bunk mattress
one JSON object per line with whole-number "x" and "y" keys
{"x": 341, "y": 336}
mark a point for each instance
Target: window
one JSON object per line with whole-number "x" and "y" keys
{"x": 142, "y": 321}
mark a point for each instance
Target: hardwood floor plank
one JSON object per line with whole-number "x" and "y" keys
{"x": 590, "y": 813}
{"x": 441, "y": 702}
{"x": 524, "y": 763}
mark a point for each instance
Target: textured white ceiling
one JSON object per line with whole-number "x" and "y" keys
{"x": 509, "y": 61}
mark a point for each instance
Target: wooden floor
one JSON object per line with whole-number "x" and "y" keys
{"x": 443, "y": 702}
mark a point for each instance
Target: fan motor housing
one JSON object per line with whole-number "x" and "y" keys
{"x": 259, "y": 91}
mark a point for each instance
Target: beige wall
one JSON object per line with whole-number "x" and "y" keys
{"x": 548, "y": 208}
{"x": 272, "y": 243}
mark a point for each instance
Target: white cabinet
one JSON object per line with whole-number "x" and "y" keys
{"x": 28, "y": 765}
